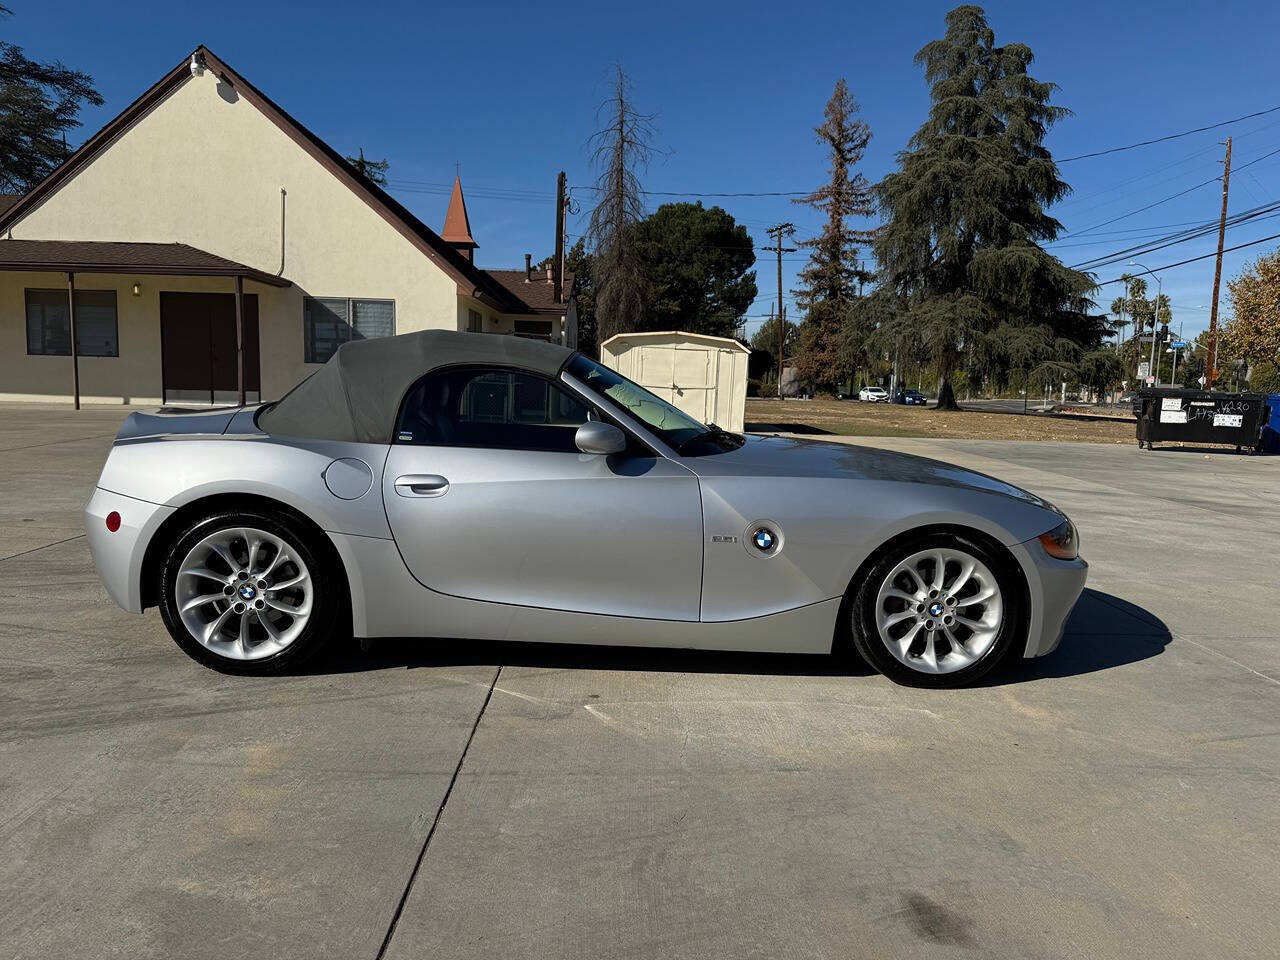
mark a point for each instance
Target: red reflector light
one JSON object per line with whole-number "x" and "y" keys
{"x": 113, "y": 521}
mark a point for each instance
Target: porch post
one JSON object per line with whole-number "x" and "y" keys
{"x": 75, "y": 350}
{"x": 240, "y": 337}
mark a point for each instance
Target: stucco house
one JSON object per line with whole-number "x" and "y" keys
{"x": 204, "y": 241}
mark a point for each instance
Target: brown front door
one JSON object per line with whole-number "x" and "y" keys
{"x": 198, "y": 347}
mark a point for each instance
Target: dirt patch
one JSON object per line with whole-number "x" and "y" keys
{"x": 849, "y": 418}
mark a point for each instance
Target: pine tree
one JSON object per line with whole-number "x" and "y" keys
{"x": 966, "y": 213}
{"x": 697, "y": 267}
{"x": 620, "y": 146}
{"x": 375, "y": 171}
{"x": 39, "y": 104}
{"x": 829, "y": 283}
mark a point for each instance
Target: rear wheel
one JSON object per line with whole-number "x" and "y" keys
{"x": 245, "y": 592}
{"x": 940, "y": 610}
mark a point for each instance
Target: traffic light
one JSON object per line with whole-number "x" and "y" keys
{"x": 1164, "y": 333}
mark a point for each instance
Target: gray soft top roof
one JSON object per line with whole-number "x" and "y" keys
{"x": 356, "y": 395}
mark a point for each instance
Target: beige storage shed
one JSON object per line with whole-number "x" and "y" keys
{"x": 704, "y": 376}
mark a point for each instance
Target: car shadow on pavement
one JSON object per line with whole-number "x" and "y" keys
{"x": 391, "y": 653}
{"x": 1103, "y": 632}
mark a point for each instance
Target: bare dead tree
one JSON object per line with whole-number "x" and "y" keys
{"x": 621, "y": 145}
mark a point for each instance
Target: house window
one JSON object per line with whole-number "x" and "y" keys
{"x": 474, "y": 321}
{"x": 49, "y": 326}
{"x": 329, "y": 322}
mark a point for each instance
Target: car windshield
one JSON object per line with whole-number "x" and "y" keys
{"x": 687, "y": 435}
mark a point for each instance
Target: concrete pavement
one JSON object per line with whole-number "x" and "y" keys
{"x": 1113, "y": 799}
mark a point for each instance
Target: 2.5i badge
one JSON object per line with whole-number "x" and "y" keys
{"x": 722, "y": 538}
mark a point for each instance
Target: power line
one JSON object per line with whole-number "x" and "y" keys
{"x": 1171, "y": 136}
{"x": 1206, "y": 256}
{"x": 1174, "y": 196}
{"x": 694, "y": 193}
{"x": 1125, "y": 216}
{"x": 719, "y": 246}
{"x": 1201, "y": 230}
{"x": 1152, "y": 233}
{"x": 1252, "y": 162}
{"x": 1143, "y": 176}
{"x": 482, "y": 193}
{"x": 526, "y": 195}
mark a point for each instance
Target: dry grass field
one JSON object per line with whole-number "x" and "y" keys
{"x": 848, "y": 418}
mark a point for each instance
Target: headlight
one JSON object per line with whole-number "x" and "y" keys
{"x": 1062, "y": 542}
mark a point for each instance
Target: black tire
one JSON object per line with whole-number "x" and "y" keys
{"x": 858, "y": 612}
{"x": 328, "y": 617}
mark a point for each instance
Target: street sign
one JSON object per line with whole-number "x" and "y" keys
{"x": 1144, "y": 368}
{"x": 1179, "y": 345}
{"x": 1202, "y": 381}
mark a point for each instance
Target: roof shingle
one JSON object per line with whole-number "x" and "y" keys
{"x": 537, "y": 293}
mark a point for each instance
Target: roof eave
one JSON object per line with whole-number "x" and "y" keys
{"x": 144, "y": 269}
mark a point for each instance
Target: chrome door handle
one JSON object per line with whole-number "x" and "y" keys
{"x": 422, "y": 485}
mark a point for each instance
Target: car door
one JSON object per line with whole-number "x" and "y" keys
{"x": 488, "y": 498}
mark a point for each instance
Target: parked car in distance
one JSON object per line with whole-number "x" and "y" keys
{"x": 475, "y": 487}
{"x": 873, "y": 395}
{"x": 914, "y": 398}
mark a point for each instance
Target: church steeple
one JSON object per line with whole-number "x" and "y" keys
{"x": 457, "y": 227}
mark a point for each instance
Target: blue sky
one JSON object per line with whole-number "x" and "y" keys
{"x": 510, "y": 92}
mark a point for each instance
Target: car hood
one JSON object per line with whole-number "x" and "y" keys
{"x": 791, "y": 457}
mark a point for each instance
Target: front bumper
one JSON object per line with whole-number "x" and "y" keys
{"x": 118, "y": 556}
{"x": 1055, "y": 586}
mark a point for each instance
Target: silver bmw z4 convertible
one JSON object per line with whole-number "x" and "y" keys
{"x": 455, "y": 485}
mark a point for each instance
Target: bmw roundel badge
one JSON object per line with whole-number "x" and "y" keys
{"x": 763, "y": 539}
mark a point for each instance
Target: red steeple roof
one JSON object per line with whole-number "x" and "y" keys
{"x": 457, "y": 228}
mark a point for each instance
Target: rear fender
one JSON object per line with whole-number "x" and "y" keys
{"x": 176, "y": 471}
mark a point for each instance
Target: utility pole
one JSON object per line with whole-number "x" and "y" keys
{"x": 557, "y": 268}
{"x": 779, "y": 233}
{"x": 1152, "y": 369}
{"x": 1211, "y": 374}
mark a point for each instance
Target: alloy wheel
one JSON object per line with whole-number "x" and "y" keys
{"x": 939, "y": 610}
{"x": 243, "y": 593}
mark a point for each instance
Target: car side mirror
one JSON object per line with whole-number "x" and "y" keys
{"x": 597, "y": 437}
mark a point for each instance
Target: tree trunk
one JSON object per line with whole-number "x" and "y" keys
{"x": 946, "y": 396}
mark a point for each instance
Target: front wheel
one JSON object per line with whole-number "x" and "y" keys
{"x": 940, "y": 610}
{"x": 245, "y": 592}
